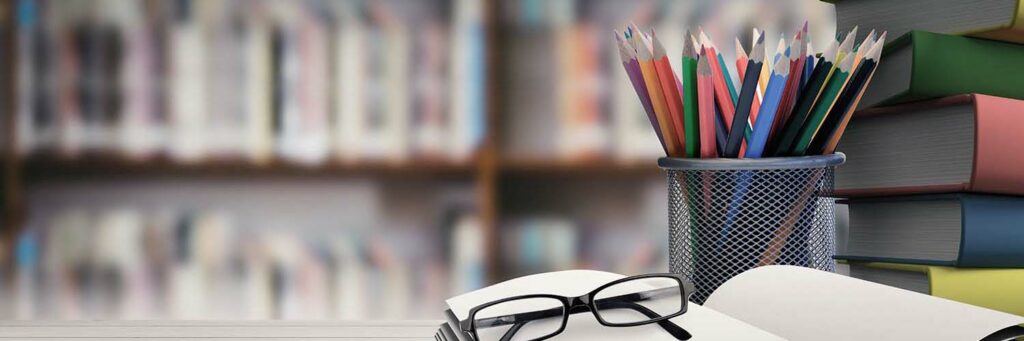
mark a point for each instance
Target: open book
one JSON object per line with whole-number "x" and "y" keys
{"x": 768, "y": 303}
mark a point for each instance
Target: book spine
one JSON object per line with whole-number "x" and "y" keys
{"x": 998, "y": 165}
{"x": 992, "y": 230}
{"x": 946, "y": 65}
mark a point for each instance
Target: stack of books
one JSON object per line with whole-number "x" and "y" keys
{"x": 935, "y": 172}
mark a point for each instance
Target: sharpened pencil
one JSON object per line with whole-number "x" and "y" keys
{"x": 787, "y": 131}
{"x": 706, "y": 107}
{"x": 821, "y": 109}
{"x": 740, "y": 122}
{"x": 725, "y": 103}
{"x": 868, "y": 65}
{"x": 632, "y": 66}
{"x": 691, "y": 117}
{"x": 772, "y": 97}
{"x": 670, "y": 86}
{"x": 792, "y": 81}
{"x": 650, "y": 74}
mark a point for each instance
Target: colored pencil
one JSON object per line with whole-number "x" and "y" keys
{"x": 632, "y": 66}
{"x": 706, "y": 107}
{"x": 650, "y": 74}
{"x": 670, "y": 86}
{"x": 741, "y": 60}
{"x": 722, "y": 96}
{"x": 792, "y": 81}
{"x": 772, "y": 96}
{"x": 869, "y": 64}
{"x": 691, "y": 118}
{"x": 788, "y": 130}
{"x": 863, "y": 48}
{"x": 824, "y": 106}
{"x": 721, "y": 133}
{"x": 762, "y": 83}
{"x": 740, "y": 123}
{"x": 728, "y": 78}
{"x": 808, "y": 67}
{"x": 847, "y": 46}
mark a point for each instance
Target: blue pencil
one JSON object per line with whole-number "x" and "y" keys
{"x": 772, "y": 97}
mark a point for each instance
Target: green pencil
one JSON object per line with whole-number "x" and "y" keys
{"x": 828, "y": 98}
{"x": 728, "y": 78}
{"x": 691, "y": 122}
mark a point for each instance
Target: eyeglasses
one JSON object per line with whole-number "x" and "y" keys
{"x": 627, "y": 302}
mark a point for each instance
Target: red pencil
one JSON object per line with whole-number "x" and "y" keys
{"x": 725, "y": 103}
{"x": 670, "y": 87}
{"x": 706, "y": 107}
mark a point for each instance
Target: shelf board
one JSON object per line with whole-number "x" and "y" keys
{"x": 112, "y": 165}
{"x": 590, "y": 166}
{"x": 109, "y": 165}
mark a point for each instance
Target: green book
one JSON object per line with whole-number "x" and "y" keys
{"x": 923, "y": 65}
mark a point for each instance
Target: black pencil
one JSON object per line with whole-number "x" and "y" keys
{"x": 787, "y": 131}
{"x": 836, "y": 121}
{"x": 739, "y": 120}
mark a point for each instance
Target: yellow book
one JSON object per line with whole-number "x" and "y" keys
{"x": 994, "y": 288}
{"x": 991, "y": 19}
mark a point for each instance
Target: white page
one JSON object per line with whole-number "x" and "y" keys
{"x": 702, "y": 323}
{"x": 805, "y": 304}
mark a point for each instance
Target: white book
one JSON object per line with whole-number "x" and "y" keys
{"x": 187, "y": 98}
{"x": 771, "y": 303}
{"x": 350, "y": 66}
{"x": 350, "y": 281}
{"x": 140, "y": 131}
{"x": 258, "y": 91}
{"x": 224, "y": 76}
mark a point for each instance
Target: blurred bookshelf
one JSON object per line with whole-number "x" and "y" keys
{"x": 322, "y": 157}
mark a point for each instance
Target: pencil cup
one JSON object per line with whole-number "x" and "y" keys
{"x": 730, "y": 215}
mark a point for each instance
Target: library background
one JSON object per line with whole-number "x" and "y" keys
{"x": 327, "y": 159}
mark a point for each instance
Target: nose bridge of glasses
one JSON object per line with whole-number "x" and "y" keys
{"x": 579, "y": 304}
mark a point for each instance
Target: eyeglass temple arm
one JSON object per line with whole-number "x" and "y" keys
{"x": 555, "y": 312}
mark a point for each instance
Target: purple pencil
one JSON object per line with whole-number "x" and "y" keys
{"x": 632, "y": 66}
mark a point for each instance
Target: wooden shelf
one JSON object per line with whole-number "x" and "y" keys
{"x": 582, "y": 167}
{"x": 112, "y": 165}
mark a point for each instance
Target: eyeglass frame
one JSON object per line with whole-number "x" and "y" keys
{"x": 578, "y": 304}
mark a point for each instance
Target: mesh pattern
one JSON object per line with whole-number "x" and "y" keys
{"x": 723, "y": 222}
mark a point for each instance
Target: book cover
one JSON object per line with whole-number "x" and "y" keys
{"x": 988, "y": 236}
{"x": 921, "y": 65}
{"x": 991, "y": 163}
{"x": 997, "y": 289}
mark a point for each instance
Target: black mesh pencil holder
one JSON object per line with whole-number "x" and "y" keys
{"x": 729, "y": 215}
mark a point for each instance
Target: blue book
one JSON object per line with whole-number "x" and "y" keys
{"x": 964, "y": 230}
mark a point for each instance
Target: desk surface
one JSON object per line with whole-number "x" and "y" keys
{"x": 218, "y": 330}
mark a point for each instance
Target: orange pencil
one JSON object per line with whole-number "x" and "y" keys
{"x": 646, "y": 59}
{"x": 669, "y": 85}
{"x": 706, "y": 107}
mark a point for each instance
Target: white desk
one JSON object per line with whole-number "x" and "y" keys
{"x": 218, "y": 330}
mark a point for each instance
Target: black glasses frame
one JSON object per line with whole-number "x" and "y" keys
{"x": 587, "y": 302}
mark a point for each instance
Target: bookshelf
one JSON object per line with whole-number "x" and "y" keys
{"x": 602, "y": 194}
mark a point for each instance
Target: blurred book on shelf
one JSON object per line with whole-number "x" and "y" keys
{"x": 304, "y": 81}
{"x": 124, "y": 262}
